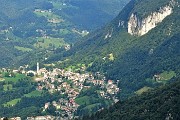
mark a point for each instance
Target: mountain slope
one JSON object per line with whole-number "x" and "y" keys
{"x": 36, "y": 26}
{"x": 161, "y": 103}
{"x": 136, "y": 58}
{"x": 91, "y": 14}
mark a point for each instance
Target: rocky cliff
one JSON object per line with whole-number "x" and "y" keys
{"x": 140, "y": 26}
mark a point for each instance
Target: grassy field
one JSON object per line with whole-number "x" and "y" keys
{"x": 14, "y": 79}
{"x": 163, "y": 77}
{"x": 144, "y": 89}
{"x": 167, "y": 75}
{"x": 83, "y": 100}
{"x": 61, "y": 5}
{"x": 7, "y": 87}
{"x": 2, "y": 79}
{"x": 111, "y": 57}
{"x": 90, "y": 107}
{"x": 12, "y": 102}
{"x": 64, "y": 31}
{"x": 49, "y": 42}
{"x": 58, "y": 5}
{"x": 33, "y": 94}
{"x": 75, "y": 67}
{"x": 49, "y": 16}
{"x": 23, "y": 49}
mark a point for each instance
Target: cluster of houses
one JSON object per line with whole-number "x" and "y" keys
{"x": 157, "y": 77}
{"x": 83, "y": 33}
{"x": 48, "y": 117}
{"x": 43, "y": 11}
{"x": 68, "y": 84}
{"x": 6, "y": 30}
{"x": 14, "y": 118}
{"x": 53, "y": 20}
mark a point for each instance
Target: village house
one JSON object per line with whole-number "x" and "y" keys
{"x": 110, "y": 82}
{"x": 15, "y": 118}
{"x": 157, "y": 77}
{"x": 98, "y": 82}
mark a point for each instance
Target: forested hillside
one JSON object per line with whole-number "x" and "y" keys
{"x": 86, "y": 15}
{"x": 161, "y": 103}
{"x": 132, "y": 59}
{"x": 31, "y": 27}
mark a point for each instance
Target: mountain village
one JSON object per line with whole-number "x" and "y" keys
{"x": 69, "y": 84}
